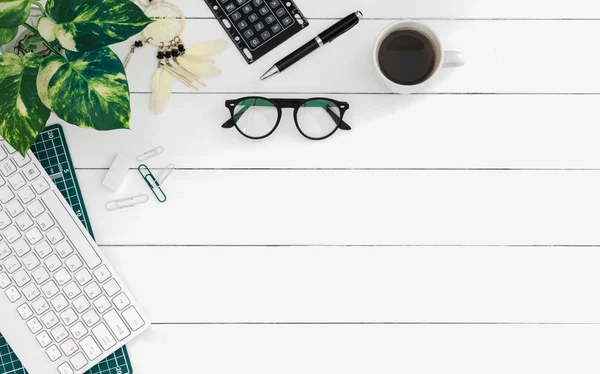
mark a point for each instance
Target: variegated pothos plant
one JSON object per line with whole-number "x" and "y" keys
{"x": 77, "y": 76}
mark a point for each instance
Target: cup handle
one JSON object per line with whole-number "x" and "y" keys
{"x": 453, "y": 59}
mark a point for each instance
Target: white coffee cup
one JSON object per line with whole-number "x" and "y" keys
{"x": 444, "y": 59}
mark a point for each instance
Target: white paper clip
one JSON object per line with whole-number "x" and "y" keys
{"x": 128, "y": 202}
{"x": 165, "y": 173}
{"x": 151, "y": 153}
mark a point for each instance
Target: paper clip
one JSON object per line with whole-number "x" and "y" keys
{"x": 128, "y": 202}
{"x": 165, "y": 173}
{"x": 151, "y": 153}
{"x": 152, "y": 183}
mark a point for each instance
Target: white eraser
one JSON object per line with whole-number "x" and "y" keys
{"x": 117, "y": 172}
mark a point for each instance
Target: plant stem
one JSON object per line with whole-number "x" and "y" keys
{"x": 34, "y": 31}
{"x": 40, "y": 6}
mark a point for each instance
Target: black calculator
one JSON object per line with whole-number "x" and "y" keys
{"x": 258, "y": 26}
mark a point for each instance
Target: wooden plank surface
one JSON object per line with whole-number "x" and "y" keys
{"x": 422, "y": 284}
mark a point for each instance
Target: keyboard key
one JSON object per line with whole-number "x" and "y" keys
{"x": 287, "y": 21}
{"x": 248, "y": 33}
{"x": 90, "y": 348}
{"x": 90, "y": 317}
{"x": 31, "y": 172}
{"x": 9, "y": 148}
{"x": 73, "y": 263}
{"x": 21, "y": 247}
{"x": 5, "y": 280}
{"x": 230, "y": 7}
{"x": 26, "y": 195}
{"x": 24, "y": 222}
{"x": 276, "y": 28}
{"x": 253, "y": 18}
{"x": 281, "y": 12}
{"x": 65, "y": 368}
{"x": 259, "y": 26}
{"x": 78, "y": 330}
{"x": 59, "y": 303}
{"x": 40, "y": 305}
{"x": 264, "y": 10}
{"x": 102, "y": 304}
{"x": 257, "y": 3}
{"x": 50, "y": 289}
{"x": 49, "y": 319}
{"x": 68, "y": 347}
{"x": 102, "y": 273}
{"x": 62, "y": 276}
{"x": 116, "y": 325}
{"x": 17, "y": 181}
{"x": 64, "y": 249}
{"x": 21, "y": 161}
{"x": 24, "y": 311}
{"x": 40, "y": 185}
{"x": 242, "y": 25}
{"x": 83, "y": 277}
{"x": 11, "y": 264}
{"x": 44, "y": 221}
{"x": 21, "y": 278}
{"x": 92, "y": 290}
{"x": 36, "y": 208}
{"x": 6, "y": 194}
{"x": 265, "y": 35}
{"x": 78, "y": 361}
{"x": 133, "y": 318}
{"x": 274, "y": 3}
{"x": 269, "y": 19}
{"x": 53, "y": 353}
{"x": 43, "y": 249}
{"x": 14, "y": 208}
{"x": 111, "y": 287}
{"x": 3, "y": 153}
{"x": 44, "y": 339}
{"x": 59, "y": 333}
{"x": 35, "y": 326}
{"x": 71, "y": 290}
{"x": 12, "y": 234}
{"x": 7, "y": 167}
{"x": 13, "y": 294}
{"x": 34, "y": 235}
{"x": 236, "y": 16}
{"x": 103, "y": 336}
{"x": 52, "y": 262}
{"x": 246, "y": 9}
{"x": 4, "y": 250}
{"x": 40, "y": 275}
{"x": 121, "y": 301}
{"x": 30, "y": 261}
{"x": 31, "y": 292}
{"x": 240, "y": 2}
{"x": 254, "y": 42}
{"x": 55, "y": 235}
{"x": 68, "y": 316}
{"x": 81, "y": 304}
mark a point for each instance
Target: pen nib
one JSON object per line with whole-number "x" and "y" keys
{"x": 272, "y": 71}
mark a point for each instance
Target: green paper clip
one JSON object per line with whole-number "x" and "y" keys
{"x": 152, "y": 182}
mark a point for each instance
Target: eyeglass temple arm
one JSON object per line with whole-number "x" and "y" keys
{"x": 231, "y": 122}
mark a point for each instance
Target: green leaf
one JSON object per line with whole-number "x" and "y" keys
{"x": 84, "y": 25}
{"x": 22, "y": 114}
{"x": 86, "y": 89}
{"x": 13, "y": 12}
{"x": 7, "y": 35}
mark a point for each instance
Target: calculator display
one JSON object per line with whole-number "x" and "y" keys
{"x": 258, "y": 26}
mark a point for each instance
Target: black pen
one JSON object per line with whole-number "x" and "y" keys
{"x": 325, "y": 37}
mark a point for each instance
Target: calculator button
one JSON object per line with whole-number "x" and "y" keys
{"x": 276, "y": 28}
{"x": 257, "y": 2}
{"x": 269, "y": 19}
{"x": 248, "y": 33}
{"x": 265, "y": 35}
{"x": 223, "y": 1}
{"x": 254, "y": 42}
{"x": 242, "y": 25}
{"x": 230, "y": 7}
{"x": 240, "y": 2}
{"x": 280, "y": 12}
{"x": 253, "y": 17}
{"x": 236, "y": 16}
{"x": 274, "y": 3}
{"x": 259, "y": 26}
{"x": 286, "y": 21}
{"x": 264, "y": 10}
{"x": 246, "y": 9}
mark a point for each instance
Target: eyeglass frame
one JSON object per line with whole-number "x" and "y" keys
{"x": 287, "y": 103}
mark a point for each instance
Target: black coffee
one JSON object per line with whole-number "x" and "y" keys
{"x": 407, "y": 57}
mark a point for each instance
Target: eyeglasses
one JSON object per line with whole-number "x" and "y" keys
{"x": 258, "y": 117}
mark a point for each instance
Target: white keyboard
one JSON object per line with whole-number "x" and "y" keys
{"x": 62, "y": 307}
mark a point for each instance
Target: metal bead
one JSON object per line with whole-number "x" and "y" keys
{"x": 168, "y": 54}
{"x": 181, "y": 48}
{"x": 175, "y": 53}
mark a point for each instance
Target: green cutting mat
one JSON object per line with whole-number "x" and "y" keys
{"x": 51, "y": 150}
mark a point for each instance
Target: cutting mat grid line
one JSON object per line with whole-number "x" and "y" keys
{"x": 51, "y": 150}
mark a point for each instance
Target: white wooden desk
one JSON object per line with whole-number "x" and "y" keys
{"x": 455, "y": 231}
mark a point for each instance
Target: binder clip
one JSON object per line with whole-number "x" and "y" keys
{"x": 152, "y": 182}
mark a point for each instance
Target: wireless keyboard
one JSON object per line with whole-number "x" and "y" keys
{"x": 62, "y": 307}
